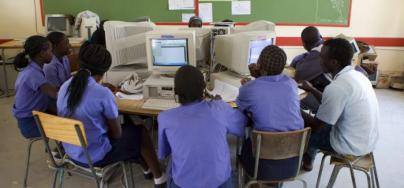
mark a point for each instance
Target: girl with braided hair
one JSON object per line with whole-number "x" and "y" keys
{"x": 83, "y": 98}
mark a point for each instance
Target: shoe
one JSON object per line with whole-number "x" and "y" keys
{"x": 148, "y": 176}
{"x": 307, "y": 163}
{"x": 163, "y": 185}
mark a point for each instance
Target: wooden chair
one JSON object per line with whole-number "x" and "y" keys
{"x": 278, "y": 146}
{"x": 365, "y": 164}
{"x": 73, "y": 132}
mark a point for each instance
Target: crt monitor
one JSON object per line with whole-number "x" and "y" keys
{"x": 59, "y": 23}
{"x": 237, "y": 51}
{"x": 202, "y": 44}
{"x": 126, "y": 41}
{"x": 352, "y": 41}
{"x": 169, "y": 50}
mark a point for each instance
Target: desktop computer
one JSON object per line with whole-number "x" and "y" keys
{"x": 237, "y": 51}
{"x": 167, "y": 51}
{"x": 59, "y": 23}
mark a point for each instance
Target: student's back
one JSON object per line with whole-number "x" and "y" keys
{"x": 97, "y": 104}
{"x": 195, "y": 135}
{"x": 273, "y": 103}
{"x": 272, "y": 98}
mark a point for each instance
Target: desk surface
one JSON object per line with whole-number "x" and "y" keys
{"x": 14, "y": 44}
{"x": 134, "y": 107}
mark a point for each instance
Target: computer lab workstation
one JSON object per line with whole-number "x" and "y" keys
{"x": 201, "y": 94}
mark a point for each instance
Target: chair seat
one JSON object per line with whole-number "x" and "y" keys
{"x": 362, "y": 162}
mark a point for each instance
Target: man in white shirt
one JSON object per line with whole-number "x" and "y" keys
{"x": 347, "y": 119}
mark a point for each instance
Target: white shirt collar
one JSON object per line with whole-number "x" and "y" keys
{"x": 344, "y": 70}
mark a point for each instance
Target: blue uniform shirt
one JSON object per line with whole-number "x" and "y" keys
{"x": 273, "y": 103}
{"x": 307, "y": 65}
{"x": 28, "y": 95}
{"x": 96, "y": 107}
{"x": 57, "y": 72}
{"x": 195, "y": 136}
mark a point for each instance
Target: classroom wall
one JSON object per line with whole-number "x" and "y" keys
{"x": 369, "y": 18}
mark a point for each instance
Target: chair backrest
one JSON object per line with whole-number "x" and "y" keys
{"x": 61, "y": 129}
{"x": 280, "y": 145}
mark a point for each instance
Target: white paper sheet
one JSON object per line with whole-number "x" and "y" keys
{"x": 181, "y": 4}
{"x": 206, "y": 12}
{"x": 186, "y": 17}
{"x": 131, "y": 97}
{"x": 241, "y": 7}
{"x": 228, "y": 92}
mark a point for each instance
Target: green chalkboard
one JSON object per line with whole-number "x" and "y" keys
{"x": 328, "y": 12}
{"x": 333, "y": 12}
{"x": 125, "y": 10}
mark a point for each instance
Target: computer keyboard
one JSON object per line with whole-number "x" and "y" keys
{"x": 160, "y": 104}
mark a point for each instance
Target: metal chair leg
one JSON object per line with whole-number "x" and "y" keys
{"x": 250, "y": 183}
{"x": 368, "y": 178}
{"x": 239, "y": 175}
{"x": 374, "y": 170}
{"x": 31, "y": 141}
{"x": 132, "y": 181}
{"x": 320, "y": 171}
{"x": 334, "y": 176}
{"x": 372, "y": 176}
{"x": 352, "y": 174}
{"x": 55, "y": 178}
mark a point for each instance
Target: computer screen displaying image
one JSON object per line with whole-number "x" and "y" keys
{"x": 170, "y": 52}
{"x": 256, "y": 48}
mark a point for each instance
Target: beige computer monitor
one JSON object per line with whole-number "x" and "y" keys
{"x": 168, "y": 50}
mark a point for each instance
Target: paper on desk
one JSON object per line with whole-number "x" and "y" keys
{"x": 300, "y": 91}
{"x": 228, "y": 92}
{"x": 181, "y": 4}
{"x": 186, "y": 17}
{"x": 206, "y": 12}
{"x": 241, "y": 7}
{"x": 131, "y": 97}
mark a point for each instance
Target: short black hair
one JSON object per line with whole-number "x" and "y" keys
{"x": 340, "y": 50}
{"x": 55, "y": 37}
{"x": 189, "y": 84}
{"x": 311, "y": 36}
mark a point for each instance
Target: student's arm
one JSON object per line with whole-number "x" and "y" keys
{"x": 49, "y": 90}
{"x": 236, "y": 121}
{"x": 312, "y": 122}
{"x": 110, "y": 112}
{"x": 115, "y": 130}
{"x": 332, "y": 107}
{"x": 51, "y": 75}
{"x": 242, "y": 100}
{"x": 305, "y": 85}
{"x": 164, "y": 148}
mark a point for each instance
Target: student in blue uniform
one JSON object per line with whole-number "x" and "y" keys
{"x": 84, "y": 99}
{"x": 307, "y": 65}
{"x": 272, "y": 102}
{"x": 195, "y": 21}
{"x": 195, "y": 133}
{"x": 31, "y": 86}
{"x": 58, "y": 71}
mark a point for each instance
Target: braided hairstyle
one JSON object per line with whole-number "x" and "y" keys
{"x": 272, "y": 60}
{"x": 93, "y": 60}
{"x": 32, "y": 47}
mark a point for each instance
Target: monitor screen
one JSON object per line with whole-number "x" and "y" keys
{"x": 169, "y": 52}
{"x": 256, "y": 46}
{"x": 57, "y": 24}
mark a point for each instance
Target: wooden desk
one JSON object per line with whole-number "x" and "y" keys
{"x": 18, "y": 44}
{"x": 134, "y": 107}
